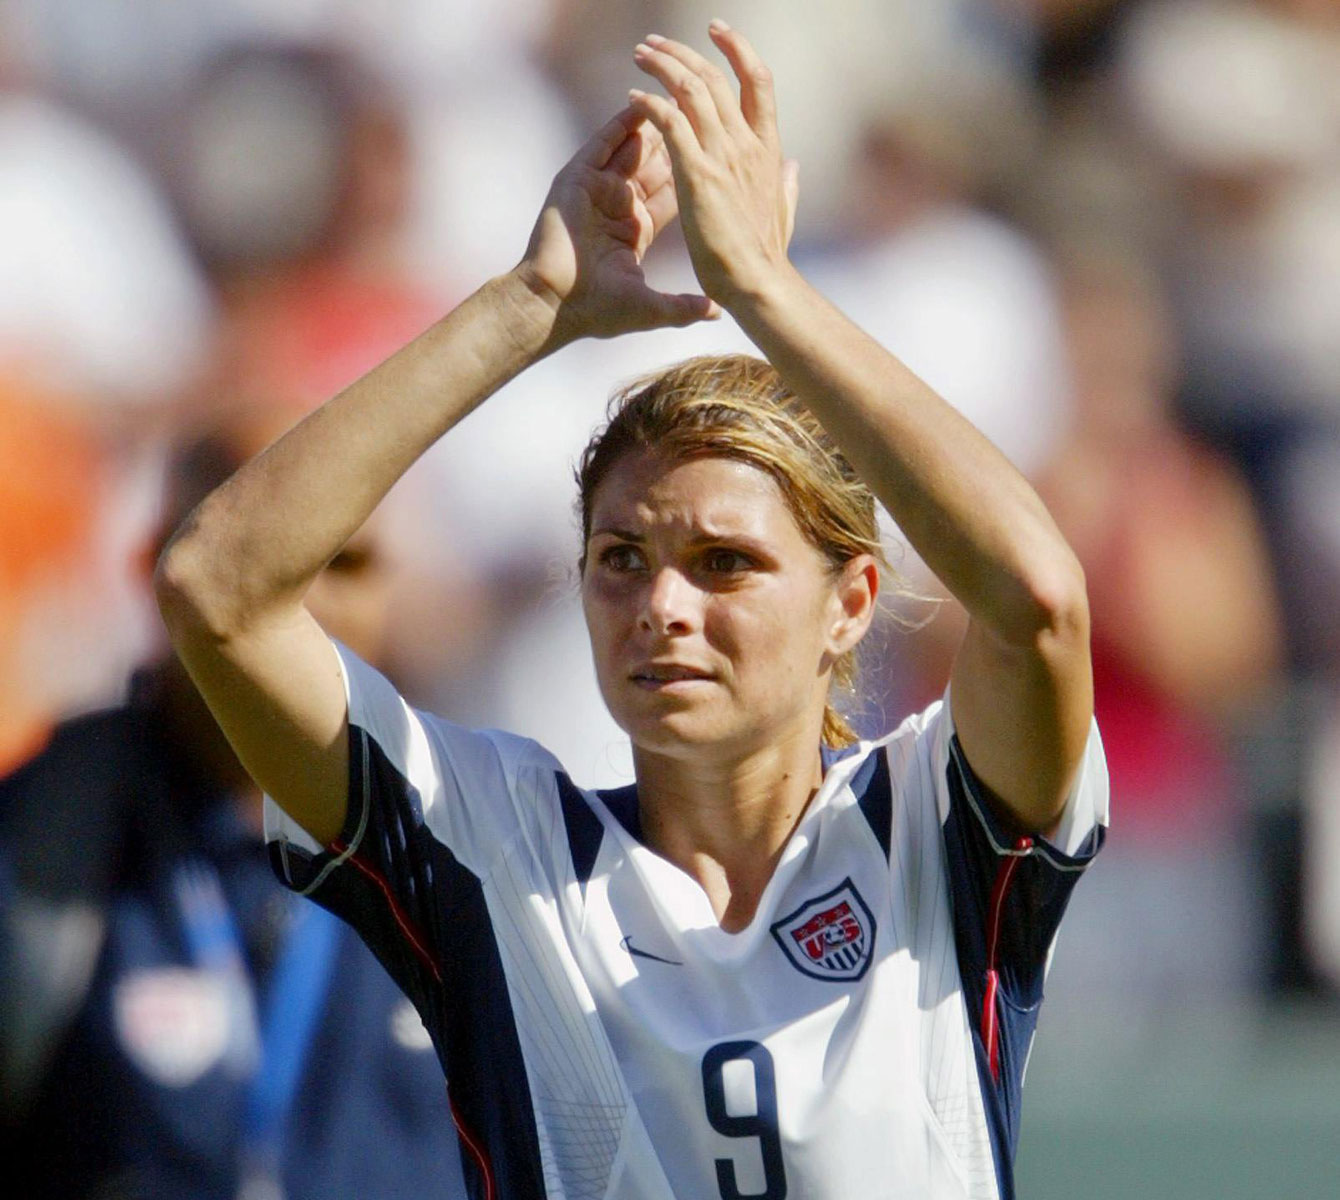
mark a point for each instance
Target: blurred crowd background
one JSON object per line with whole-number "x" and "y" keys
{"x": 1107, "y": 230}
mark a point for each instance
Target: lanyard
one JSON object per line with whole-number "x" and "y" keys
{"x": 267, "y": 1048}
{"x": 289, "y": 1017}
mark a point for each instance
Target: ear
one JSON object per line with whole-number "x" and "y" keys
{"x": 854, "y": 595}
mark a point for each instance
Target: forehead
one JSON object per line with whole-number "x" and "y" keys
{"x": 708, "y": 493}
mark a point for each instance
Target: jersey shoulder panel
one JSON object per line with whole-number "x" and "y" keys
{"x": 922, "y": 753}
{"x": 911, "y": 756}
{"x": 475, "y": 791}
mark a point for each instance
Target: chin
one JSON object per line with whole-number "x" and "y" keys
{"x": 703, "y": 741}
{"x": 676, "y": 734}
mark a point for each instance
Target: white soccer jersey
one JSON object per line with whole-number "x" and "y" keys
{"x": 865, "y": 1036}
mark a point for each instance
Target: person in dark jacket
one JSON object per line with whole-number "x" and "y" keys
{"x": 173, "y": 1023}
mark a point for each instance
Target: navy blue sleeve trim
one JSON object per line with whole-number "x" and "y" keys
{"x": 1002, "y": 835}
{"x": 1025, "y": 918}
{"x": 1008, "y": 893}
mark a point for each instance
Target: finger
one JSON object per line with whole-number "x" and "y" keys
{"x": 631, "y": 230}
{"x": 626, "y": 155}
{"x": 685, "y": 308}
{"x": 680, "y": 138}
{"x": 597, "y": 150}
{"x": 718, "y": 86}
{"x": 612, "y": 195}
{"x": 758, "y": 101}
{"x": 688, "y": 90}
{"x": 653, "y": 174}
{"x": 635, "y": 150}
{"x": 662, "y": 206}
{"x": 643, "y": 160}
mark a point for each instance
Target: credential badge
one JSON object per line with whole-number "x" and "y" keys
{"x": 172, "y": 1022}
{"x": 831, "y": 937}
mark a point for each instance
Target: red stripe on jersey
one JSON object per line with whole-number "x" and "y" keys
{"x": 421, "y": 952}
{"x": 476, "y": 1152}
{"x": 412, "y": 935}
{"x": 990, "y": 1029}
{"x": 1000, "y": 889}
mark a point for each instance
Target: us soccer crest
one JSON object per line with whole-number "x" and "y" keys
{"x": 831, "y": 937}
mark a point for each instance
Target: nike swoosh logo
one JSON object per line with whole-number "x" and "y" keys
{"x": 627, "y": 944}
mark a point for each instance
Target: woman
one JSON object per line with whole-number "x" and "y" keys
{"x": 769, "y": 968}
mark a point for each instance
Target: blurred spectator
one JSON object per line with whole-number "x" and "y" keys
{"x": 97, "y": 290}
{"x": 293, "y": 175}
{"x": 1187, "y": 634}
{"x": 296, "y": 178}
{"x": 961, "y": 295}
{"x": 170, "y": 1024}
{"x": 102, "y": 317}
{"x": 1241, "y": 101}
{"x": 1187, "y": 644}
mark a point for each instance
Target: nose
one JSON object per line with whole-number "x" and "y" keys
{"x": 671, "y": 604}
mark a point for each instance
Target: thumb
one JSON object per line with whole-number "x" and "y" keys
{"x": 661, "y": 310}
{"x": 685, "y": 308}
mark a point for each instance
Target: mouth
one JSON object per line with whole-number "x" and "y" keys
{"x": 655, "y": 676}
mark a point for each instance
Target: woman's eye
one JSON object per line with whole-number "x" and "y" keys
{"x": 727, "y": 562}
{"x": 621, "y": 558}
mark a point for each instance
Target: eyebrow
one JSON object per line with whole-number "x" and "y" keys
{"x": 624, "y": 535}
{"x": 745, "y": 541}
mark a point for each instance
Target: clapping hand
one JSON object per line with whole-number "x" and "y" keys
{"x": 736, "y": 194}
{"x": 603, "y": 211}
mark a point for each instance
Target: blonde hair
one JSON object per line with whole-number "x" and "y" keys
{"x": 736, "y": 406}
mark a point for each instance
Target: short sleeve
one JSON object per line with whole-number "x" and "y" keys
{"x": 1010, "y": 891}
{"x": 470, "y": 787}
{"x": 431, "y": 806}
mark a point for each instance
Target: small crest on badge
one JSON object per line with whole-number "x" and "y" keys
{"x": 831, "y": 937}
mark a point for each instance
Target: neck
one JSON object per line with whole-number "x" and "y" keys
{"x": 726, "y": 823}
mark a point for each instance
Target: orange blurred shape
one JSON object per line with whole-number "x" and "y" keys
{"x": 50, "y": 482}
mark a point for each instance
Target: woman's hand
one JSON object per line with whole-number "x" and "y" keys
{"x": 605, "y": 208}
{"x": 736, "y": 194}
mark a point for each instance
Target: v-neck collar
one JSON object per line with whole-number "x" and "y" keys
{"x": 839, "y": 768}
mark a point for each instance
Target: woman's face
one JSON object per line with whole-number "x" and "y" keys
{"x": 714, "y": 623}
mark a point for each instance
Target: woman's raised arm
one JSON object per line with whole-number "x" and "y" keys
{"x": 231, "y": 582}
{"x": 1021, "y": 685}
